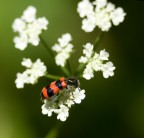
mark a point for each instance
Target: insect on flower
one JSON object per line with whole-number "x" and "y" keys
{"x": 55, "y": 87}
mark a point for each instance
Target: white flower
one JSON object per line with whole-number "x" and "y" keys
{"x": 117, "y": 16}
{"x": 21, "y": 41}
{"x": 87, "y": 51}
{"x": 88, "y": 72}
{"x": 103, "y": 20}
{"x": 103, "y": 55}
{"x": 26, "y": 62}
{"x": 61, "y": 103}
{"x": 29, "y": 28}
{"x": 64, "y": 40}
{"x": 88, "y": 24}
{"x": 78, "y": 95}
{"x": 31, "y": 74}
{"x": 108, "y": 69}
{"x": 63, "y": 49}
{"x": 29, "y": 14}
{"x": 99, "y": 13}
{"x": 48, "y": 107}
{"x": 19, "y": 25}
{"x": 69, "y": 103}
{"x": 21, "y": 79}
{"x": 62, "y": 112}
{"x": 110, "y": 7}
{"x": 95, "y": 62}
{"x": 84, "y": 8}
{"x": 100, "y": 3}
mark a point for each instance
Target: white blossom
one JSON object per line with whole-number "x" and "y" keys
{"x": 21, "y": 79}
{"x": 48, "y": 107}
{"x": 88, "y": 72}
{"x": 62, "y": 112}
{"x": 18, "y": 25}
{"x": 108, "y": 69}
{"x": 117, "y": 16}
{"x": 29, "y": 14}
{"x": 95, "y": 62}
{"x": 63, "y": 49}
{"x": 78, "y": 95}
{"x": 85, "y": 8}
{"x": 21, "y": 41}
{"x": 26, "y": 62}
{"x": 29, "y": 28}
{"x": 64, "y": 101}
{"x": 99, "y": 13}
{"x": 100, "y": 3}
{"x": 31, "y": 74}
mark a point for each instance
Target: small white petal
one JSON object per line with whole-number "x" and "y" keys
{"x": 78, "y": 95}
{"x": 100, "y": 3}
{"x": 108, "y": 69}
{"x": 26, "y": 62}
{"x": 21, "y": 41}
{"x": 42, "y": 22}
{"x": 104, "y": 55}
{"x": 117, "y": 16}
{"x": 88, "y": 25}
{"x": 110, "y": 7}
{"x": 29, "y": 14}
{"x": 88, "y": 72}
{"x": 65, "y": 39}
{"x": 62, "y": 112}
{"x": 18, "y": 25}
{"x": 84, "y": 8}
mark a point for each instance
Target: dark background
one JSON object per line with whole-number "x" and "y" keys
{"x": 113, "y": 107}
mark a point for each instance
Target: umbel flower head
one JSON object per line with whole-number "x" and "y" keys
{"x": 29, "y": 28}
{"x": 63, "y": 49}
{"x": 31, "y": 74}
{"x": 99, "y": 13}
{"x": 95, "y": 62}
{"x": 60, "y": 104}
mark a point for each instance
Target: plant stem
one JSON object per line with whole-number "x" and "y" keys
{"x": 65, "y": 70}
{"x": 80, "y": 68}
{"x": 54, "y": 77}
{"x": 98, "y": 39}
{"x": 46, "y": 46}
{"x": 53, "y": 133}
{"x": 69, "y": 67}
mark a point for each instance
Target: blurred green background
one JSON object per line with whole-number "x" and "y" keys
{"x": 113, "y": 108}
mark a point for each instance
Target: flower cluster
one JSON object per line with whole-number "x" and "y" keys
{"x": 94, "y": 62}
{"x": 61, "y": 103}
{"x": 29, "y": 28}
{"x": 63, "y": 49}
{"x": 99, "y": 13}
{"x": 31, "y": 74}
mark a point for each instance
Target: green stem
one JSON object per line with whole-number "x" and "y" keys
{"x": 69, "y": 67}
{"x": 98, "y": 39}
{"x": 46, "y": 46}
{"x": 80, "y": 68}
{"x": 54, "y": 77}
{"x": 53, "y": 133}
{"x": 66, "y": 71}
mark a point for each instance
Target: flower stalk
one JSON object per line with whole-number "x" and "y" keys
{"x": 54, "y": 77}
{"x": 46, "y": 46}
{"x": 98, "y": 39}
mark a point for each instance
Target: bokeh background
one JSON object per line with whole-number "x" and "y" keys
{"x": 113, "y": 108}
